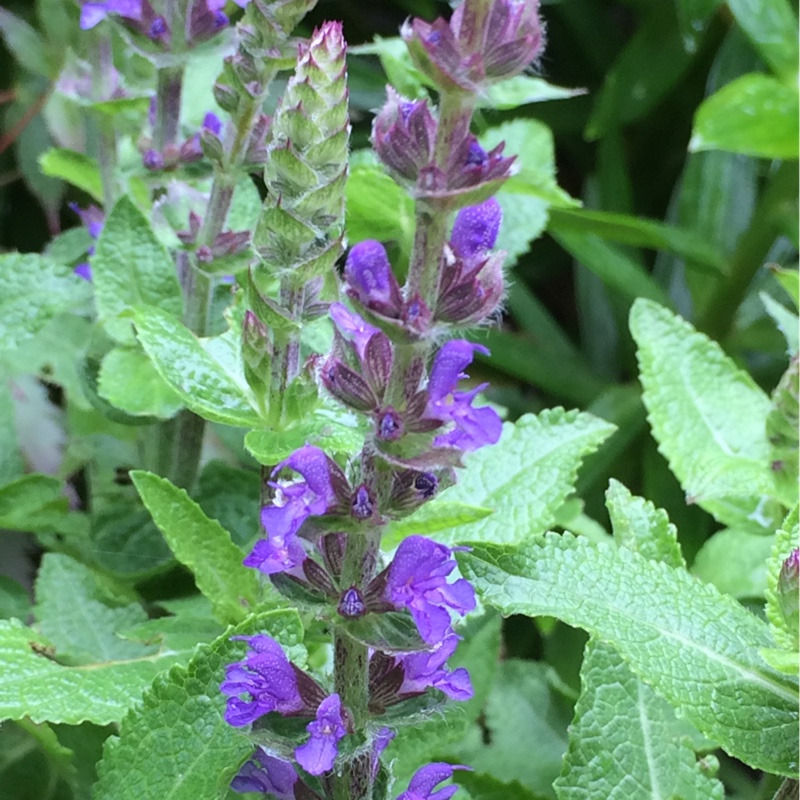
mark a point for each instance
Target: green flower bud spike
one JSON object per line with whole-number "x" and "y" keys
{"x": 300, "y": 233}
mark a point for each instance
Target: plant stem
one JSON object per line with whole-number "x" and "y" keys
{"x": 106, "y": 136}
{"x": 751, "y": 249}
{"x": 170, "y": 82}
{"x": 198, "y": 285}
{"x": 351, "y": 665}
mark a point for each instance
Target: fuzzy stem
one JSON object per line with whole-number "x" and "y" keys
{"x": 102, "y": 76}
{"x": 169, "y": 86}
{"x": 198, "y": 286}
{"x": 351, "y": 665}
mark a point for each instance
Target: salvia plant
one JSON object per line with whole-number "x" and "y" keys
{"x": 278, "y": 545}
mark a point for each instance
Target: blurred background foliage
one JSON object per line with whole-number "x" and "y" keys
{"x": 689, "y": 201}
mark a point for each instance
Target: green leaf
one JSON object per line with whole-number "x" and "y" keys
{"x": 782, "y": 431}
{"x": 526, "y": 724}
{"x": 205, "y": 373}
{"x": 694, "y": 646}
{"x": 771, "y": 26}
{"x": 625, "y": 742}
{"x": 639, "y": 232}
{"x": 130, "y": 267}
{"x": 377, "y": 208}
{"x": 789, "y": 279}
{"x": 202, "y": 545}
{"x": 616, "y": 269}
{"x": 638, "y": 525}
{"x": 786, "y": 320}
{"x": 707, "y": 416}
{"x": 75, "y": 168}
{"x": 522, "y": 90}
{"x": 176, "y": 744}
{"x": 526, "y": 476}
{"x": 33, "y": 289}
{"x": 786, "y": 540}
{"x": 270, "y": 447}
{"x": 432, "y": 518}
{"x": 735, "y": 561}
{"x": 14, "y": 600}
{"x": 32, "y": 503}
{"x": 129, "y": 381}
{"x": 79, "y": 619}
{"x": 35, "y": 686}
{"x": 232, "y": 496}
{"x": 26, "y": 44}
{"x": 482, "y": 786}
{"x": 755, "y": 114}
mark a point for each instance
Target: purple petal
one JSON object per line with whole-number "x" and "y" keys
{"x": 267, "y": 775}
{"x": 426, "y": 779}
{"x": 369, "y": 273}
{"x": 318, "y": 754}
{"x": 352, "y": 327}
{"x": 315, "y": 467}
{"x": 211, "y": 122}
{"x": 83, "y": 270}
{"x": 449, "y": 365}
{"x": 475, "y": 229}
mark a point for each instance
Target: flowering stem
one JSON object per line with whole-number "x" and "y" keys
{"x": 351, "y": 665}
{"x": 106, "y": 135}
{"x": 169, "y": 86}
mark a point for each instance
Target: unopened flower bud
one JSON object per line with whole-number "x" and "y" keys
{"x": 788, "y": 584}
{"x": 388, "y": 425}
{"x": 227, "y": 97}
{"x": 475, "y": 229}
{"x": 370, "y": 279}
{"x": 403, "y": 135}
{"x": 362, "y": 505}
{"x": 153, "y": 160}
{"x": 351, "y": 605}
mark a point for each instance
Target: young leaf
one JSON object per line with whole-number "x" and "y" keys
{"x": 202, "y": 544}
{"x": 129, "y": 381}
{"x": 625, "y": 742}
{"x": 207, "y": 378}
{"x": 131, "y": 267}
{"x": 694, "y": 646}
{"x": 638, "y": 525}
{"x": 75, "y": 168}
{"x": 735, "y": 561}
{"x": 755, "y": 114}
{"x": 176, "y": 744}
{"x": 786, "y": 540}
{"x": 526, "y": 476}
{"x": 522, "y": 90}
{"x": 78, "y": 616}
{"x": 38, "y": 687}
{"x": 707, "y": 416}
{"x": 432, "y": 518}
{"x": 33, "y": 289}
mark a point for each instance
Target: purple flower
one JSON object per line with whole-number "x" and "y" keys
{"x": 417, "y": 580}
{"x": 352, "y": 327}
{"x": 93, "y": 13}
{"x": 427, "y": 778}
{"x": 267, "y": 775}
{"x": 191, "y": 149}
{"x": 370, "y": 279}
{"x": 473, "y": 427}
{"x": 475, "y": 229}
{"x": 266, "y": 676}
{"x": 319, "y": 752}
{"x": 281, "y": 551}
{"x": 426, "y": 669}
{"x": 93, "y": 219}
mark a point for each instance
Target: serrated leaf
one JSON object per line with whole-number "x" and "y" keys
{"x": 625, "y": 742}
{"x": 35, "y": 686}
{"x": 129, "y": 381}
{"x": 433, "y": 517}
{"x": 75, "y": 168}
{"x": 201, "y": 544}
{"x": 33, "y": 289}
{"x": 176, "y": 744}
{"x": 786, "y": 539}
{"x": 638, "y": 525}
{"x": 735, "y": 561}
{"x": 203, "y": 373}
{"x": 270, "y": 447}
{"x": 707, "y": 416}
{"x": 694, "y": 646}
{"x": 75, "y": 615}
{"x": 755, "y": 114}
{"x": 130, "y": 267}
{"x": 526, "y": 476}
